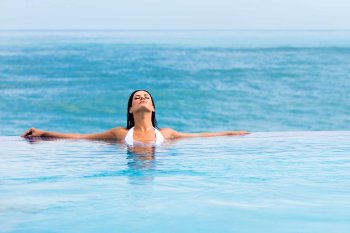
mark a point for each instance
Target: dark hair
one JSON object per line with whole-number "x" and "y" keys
{"x": 130, "y": 117}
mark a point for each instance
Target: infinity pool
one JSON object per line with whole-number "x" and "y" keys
{"x": 262, "y": 182}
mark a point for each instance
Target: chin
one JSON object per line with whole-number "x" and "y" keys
{"x": 143, "y": 109}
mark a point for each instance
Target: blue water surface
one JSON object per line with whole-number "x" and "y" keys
{"x": 289, "y": 88}
{"x": 261, "y": 182}
{"x": 259, "y": 81}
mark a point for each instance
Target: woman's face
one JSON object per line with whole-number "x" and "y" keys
{"x": 141, "y": 102}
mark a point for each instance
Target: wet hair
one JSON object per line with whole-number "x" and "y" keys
{"x": 130, "y": 117}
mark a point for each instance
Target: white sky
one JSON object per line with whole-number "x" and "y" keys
{"x": 174, "y": 14}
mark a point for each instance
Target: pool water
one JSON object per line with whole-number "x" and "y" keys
{"x": 261, "y": 182}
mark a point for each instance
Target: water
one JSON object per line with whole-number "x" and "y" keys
{"x": 259, "y": 81}
{"x": 262, "y": 182}
{"x": 290, "y": 88}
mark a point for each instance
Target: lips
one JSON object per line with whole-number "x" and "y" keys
{"x": 141, "y": 102}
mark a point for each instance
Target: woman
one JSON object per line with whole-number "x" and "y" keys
{"x": 141, "y": 126}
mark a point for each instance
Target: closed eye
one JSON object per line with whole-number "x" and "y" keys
{"x": 138, "y": 97}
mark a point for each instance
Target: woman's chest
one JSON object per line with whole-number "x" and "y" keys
{"x": 144, "y": 136}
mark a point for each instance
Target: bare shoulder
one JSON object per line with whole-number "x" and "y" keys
{"x": 120, "y": 132}
{"x": 167, "y": 132}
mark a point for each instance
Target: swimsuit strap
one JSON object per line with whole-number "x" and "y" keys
{"x": 129, "y": 138}
{"x": 159, "y": 137}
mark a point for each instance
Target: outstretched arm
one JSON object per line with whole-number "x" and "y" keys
{"x": 172, "y": 134}
{"x": 110, "y": 134}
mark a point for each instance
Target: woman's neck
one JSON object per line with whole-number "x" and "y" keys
{"x": 143, "y": 121}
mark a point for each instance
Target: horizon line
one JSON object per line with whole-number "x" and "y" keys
{"x": 111, "y": 29}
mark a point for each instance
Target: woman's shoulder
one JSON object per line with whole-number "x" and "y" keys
{"x": 165, "y": 129}
{"x": 120, "y": 129}
{"x": 120, "y": 132}
{"x": 167, "y": 132}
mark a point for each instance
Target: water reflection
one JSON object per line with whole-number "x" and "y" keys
{"x": 141, "y": 162}
{"x": 38, "y": 139}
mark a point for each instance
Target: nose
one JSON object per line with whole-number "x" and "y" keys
{"x": 143, "y": 98}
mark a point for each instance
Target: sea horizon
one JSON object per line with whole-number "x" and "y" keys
{"x": 272, "y": 80}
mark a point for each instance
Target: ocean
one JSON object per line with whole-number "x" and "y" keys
{"x": 290, "y": 89}
{"x": 258, "y": 81}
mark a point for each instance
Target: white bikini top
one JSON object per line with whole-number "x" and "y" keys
{"x": 129, "y": 138}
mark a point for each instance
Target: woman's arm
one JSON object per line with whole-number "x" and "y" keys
{"x": 114, "y": 133}
{"x": 172, "y": 134}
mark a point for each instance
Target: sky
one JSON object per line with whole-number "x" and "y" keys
{"x": 175, "y": 14}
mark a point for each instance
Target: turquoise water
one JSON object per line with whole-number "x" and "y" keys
{"x": 290, "y": 88}
{"x": 262, "y": 182}
{"x": 257, "y": 81}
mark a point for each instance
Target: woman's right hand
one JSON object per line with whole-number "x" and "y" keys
{"x": 238, "y": 133}
{"x": 33, "y": 132}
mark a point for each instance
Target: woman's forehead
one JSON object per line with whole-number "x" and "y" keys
{"x": 143, "y": 93}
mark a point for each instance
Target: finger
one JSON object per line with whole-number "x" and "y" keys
{"x": 25, "y": 133}
{"x": 28, "y": 132}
